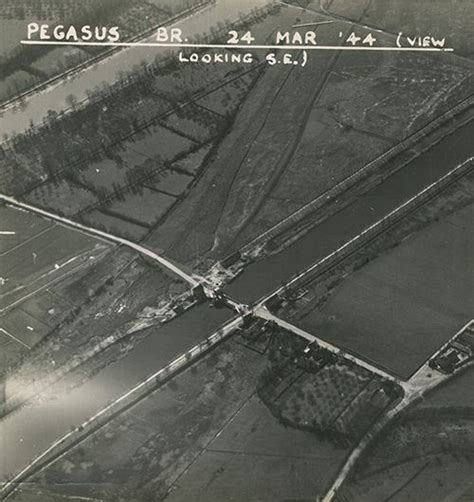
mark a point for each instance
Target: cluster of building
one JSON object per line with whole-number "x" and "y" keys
{"x": 457, "y": 352}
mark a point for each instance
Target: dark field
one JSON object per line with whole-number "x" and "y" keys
{"x": 430, "y": 452}
{"x": 434, "y": 17}
{"x": 257, "y": 458}
{"x": 22, "y": 69}
{"x": 44, "y": 258}
{"x": 23, "y": 224}
{"x": 400, "y": 308}
{"x": 205, "y": 436}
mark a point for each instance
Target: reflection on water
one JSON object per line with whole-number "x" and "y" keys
{"x": 30, "y": 430}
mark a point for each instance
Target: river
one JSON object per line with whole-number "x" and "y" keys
{"x": 30, "y": 430}
{"x": 17, "y": 119}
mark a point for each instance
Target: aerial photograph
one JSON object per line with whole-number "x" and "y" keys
{"x": 237, "y": 250}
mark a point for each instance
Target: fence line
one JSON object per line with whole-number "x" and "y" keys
{"x": 320, "y": 200}
{"x": 380, "y": 226}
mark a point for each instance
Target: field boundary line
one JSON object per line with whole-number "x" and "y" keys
{"x": 105, "y": 235}
{"x": 382, "y": 224}
{"x": 413, "y": 394}
{"x": 119, "y": 405}
{"x": 343, "y": 185}
{"x": 42, "y": 86}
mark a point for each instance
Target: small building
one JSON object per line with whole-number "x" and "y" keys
{"x": 447, "y": 361}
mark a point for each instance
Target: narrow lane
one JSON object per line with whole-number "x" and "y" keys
{"x": 264, "y": 313}
{"x": 192, "y": 280}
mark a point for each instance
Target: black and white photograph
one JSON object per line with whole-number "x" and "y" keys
{"x": 237, "y": 250}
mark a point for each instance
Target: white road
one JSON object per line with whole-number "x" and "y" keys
{"x": 192, "y": 280}
{"x": 264, "y": 313}
{"x": 13, "y": 337}
{"x": 422, "y": 382}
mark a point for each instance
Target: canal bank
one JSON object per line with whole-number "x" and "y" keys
{"x": 30, "y": 430}
{"x": 261, "y": 277}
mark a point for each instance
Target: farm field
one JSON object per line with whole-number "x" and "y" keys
{"x": 61, "y": 197}
{"x": 23, "y": 224}
{"x": 146, "y": 207}
{"x": 197, "y": 132}
{"x": 455, "y": 393}
{"x": 27, "y": 328}
{"x": 424, "y": 278}
{"x": 276, "y": 462}
{"x": 100, "y": 173}
{"x": 47, "y": 306}
{"x": 170, "y": 182}
{"x": 45, "y": 63}
{"x": 127, "y": 61}
{"x": 431, "y": 451}
{"x": 226, "y": 100}
{"x": 33, "y": 318}
{"x": 193, "y": 162}
{"x": 11, "y": 32}
{"x": 111, "y": 189}
{"x": 291, "y": 158}
{"x": 158, "y": 141}
{"x": 146, "y": 152}
{"x": 39, "y": 255}
{"x": 54, "y": 250}
{"x": 434, "y": 478}
{"x": 440, "y": 20}
{"x": 11, "y": 351}
{"x": 42, "y": 255}
{"x": 209, "y": 419}
{"x": 115, "y": 225}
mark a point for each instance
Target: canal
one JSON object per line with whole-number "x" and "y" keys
{"x": 262, "y": 277}
{"x": 28, "y": 431}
